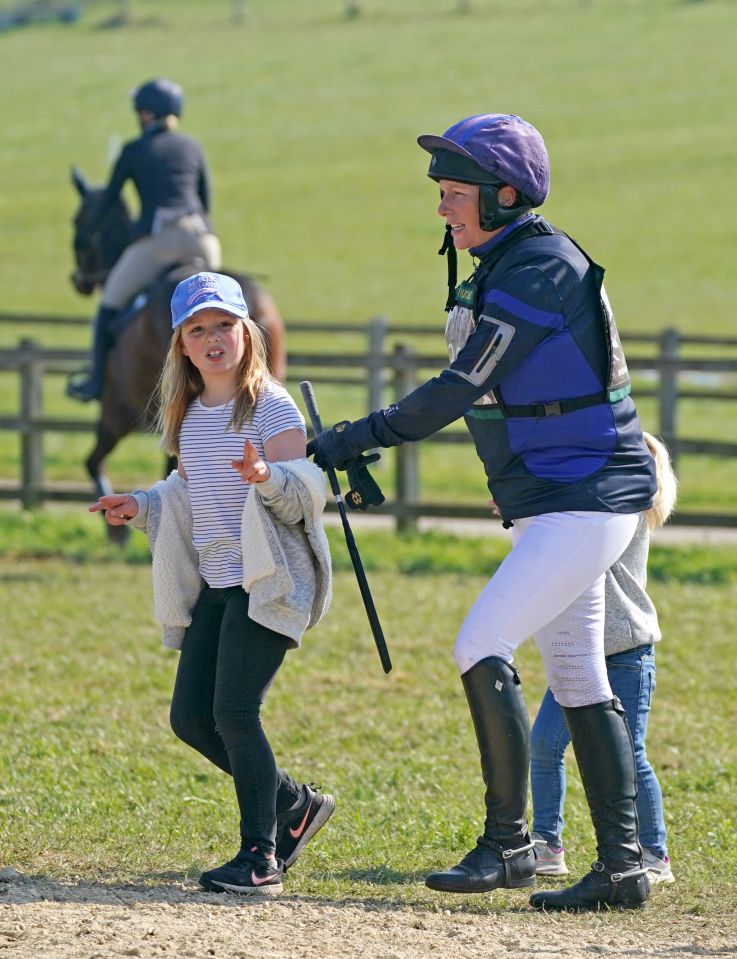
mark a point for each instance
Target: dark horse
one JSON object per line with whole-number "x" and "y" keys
{"x": 137, "y": 356}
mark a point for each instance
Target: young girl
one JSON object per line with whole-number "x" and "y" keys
{"x": 630, "y": 632}
{"x": 240, "y": 564}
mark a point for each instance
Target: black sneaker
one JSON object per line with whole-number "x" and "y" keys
{"x": 298, "y": 826}
{"x": 250, "y": 874}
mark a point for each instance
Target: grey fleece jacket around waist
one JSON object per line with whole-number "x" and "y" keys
{"x": 286, "y": 565}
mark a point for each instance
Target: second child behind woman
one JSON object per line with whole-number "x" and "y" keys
{"x": 630, "y": 632}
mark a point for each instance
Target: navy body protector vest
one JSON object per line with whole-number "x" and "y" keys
{"x": 618, "y": 385}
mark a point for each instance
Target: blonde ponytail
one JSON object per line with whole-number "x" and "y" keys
{"x": 664, "y": 500}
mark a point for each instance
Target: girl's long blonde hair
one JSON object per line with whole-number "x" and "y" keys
{"x": 180, "y": 382}
{"x": 664, "y": 500}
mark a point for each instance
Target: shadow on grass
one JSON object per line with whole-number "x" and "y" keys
{"x": 381, "y": 876}
{"x": 24, "y": 577}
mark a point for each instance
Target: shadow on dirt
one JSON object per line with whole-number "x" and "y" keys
{"x": 171, "y": 889}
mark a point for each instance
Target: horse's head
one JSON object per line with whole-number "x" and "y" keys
{"x": 96, "y": 250}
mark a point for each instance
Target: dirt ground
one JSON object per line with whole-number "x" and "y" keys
{"x": 50, "y": 920}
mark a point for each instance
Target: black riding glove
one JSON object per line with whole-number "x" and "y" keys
{"x": 331, "y": 448}
{"x": 364, "y": 491}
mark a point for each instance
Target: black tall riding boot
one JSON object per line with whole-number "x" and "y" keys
{"x": 504, "y": 856}
{"x": 102, "y": 338}
{"x": 606, "y": 760}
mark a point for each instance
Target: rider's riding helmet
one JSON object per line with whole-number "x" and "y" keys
{"x": 493, "y": 150}
{"x": 161, "y": 97}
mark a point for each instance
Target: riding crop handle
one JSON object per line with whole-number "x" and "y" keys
{"x": 308, "y": 394}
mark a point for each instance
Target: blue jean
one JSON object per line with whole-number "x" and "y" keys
{"x": 632, "y": 678}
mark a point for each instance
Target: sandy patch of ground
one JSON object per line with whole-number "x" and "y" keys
{"x": 51, "y": 920}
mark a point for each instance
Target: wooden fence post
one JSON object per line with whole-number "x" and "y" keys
{"x": 668, "y": 391}
{"x": 375, "y": 362}
{"x": 407, "y": 471}
{"x": 31, "y": 401}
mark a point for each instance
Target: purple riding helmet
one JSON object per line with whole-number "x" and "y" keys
{"x": 493, "y": 150}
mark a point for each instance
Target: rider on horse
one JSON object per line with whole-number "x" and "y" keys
{"x": 170, "y": 174}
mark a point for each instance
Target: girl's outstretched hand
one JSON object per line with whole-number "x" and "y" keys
{"x": 252, "y": 468}
{"x": 119, "y": 508}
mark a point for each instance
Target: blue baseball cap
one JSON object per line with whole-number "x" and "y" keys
{"x": 207, "y": 291}
{"x": 502, "y": 145}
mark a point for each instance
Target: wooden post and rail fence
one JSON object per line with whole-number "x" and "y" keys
{"x": 386, "y": 370}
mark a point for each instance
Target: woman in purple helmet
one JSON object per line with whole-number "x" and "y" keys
{"x": 170, "y": 174}
{"x": 537, "y": 372}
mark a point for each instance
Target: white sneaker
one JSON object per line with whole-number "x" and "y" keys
{"x": 551, "y": 860}
{"x": 658, "y": 870}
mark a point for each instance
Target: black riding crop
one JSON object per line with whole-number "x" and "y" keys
{"x": 311, "y": 403}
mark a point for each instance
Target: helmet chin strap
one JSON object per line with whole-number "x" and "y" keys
{"x": 492, "y": 216}
{"x": 449, "y": 249}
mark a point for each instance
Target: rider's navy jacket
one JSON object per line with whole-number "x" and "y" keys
{"x": 533, "y": 334}
{"x": 170, "y": 173}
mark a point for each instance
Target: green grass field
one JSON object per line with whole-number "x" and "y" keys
{"x": 93, "y": 784}
{"x": 309, "y": 120}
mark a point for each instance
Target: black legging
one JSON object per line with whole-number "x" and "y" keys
{"x": 226, "y": 667}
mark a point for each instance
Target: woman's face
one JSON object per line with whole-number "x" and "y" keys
{"x": 459, "y": 207}
{"x": 215, "y": 342}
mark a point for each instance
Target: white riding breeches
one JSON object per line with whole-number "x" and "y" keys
{"x": 551, "y": 586}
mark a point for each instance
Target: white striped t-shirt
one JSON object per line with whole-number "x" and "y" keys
{"x": 216, "y": 491}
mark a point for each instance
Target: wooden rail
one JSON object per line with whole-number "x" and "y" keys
{"x": 385, "y": 369}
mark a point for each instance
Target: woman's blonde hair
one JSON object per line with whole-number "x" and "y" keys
{"x": 181, "y": 382}
{"x": 665, "y": 498}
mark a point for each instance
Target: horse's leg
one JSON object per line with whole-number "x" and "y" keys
{"x": 106, "y": 442}
{"x": 133, "y": 370}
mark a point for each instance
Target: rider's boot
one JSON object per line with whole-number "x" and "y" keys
{"x": 90, "y": 388}
{"x": 606, "y": 760}
{"x": 504, "y": 856}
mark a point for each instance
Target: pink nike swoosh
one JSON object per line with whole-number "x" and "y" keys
{"x": 296, "y": 833}
{"x": 257, "y": 880}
